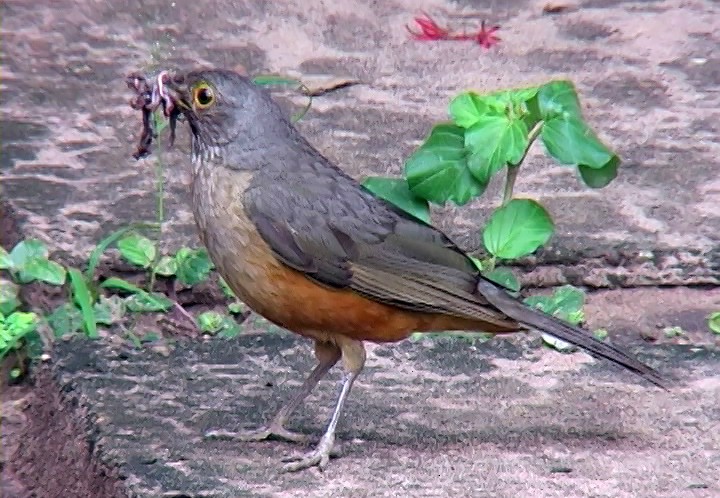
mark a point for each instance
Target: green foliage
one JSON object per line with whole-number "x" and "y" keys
{"x": 214, "y": 323}
{"x": 193, "y": 265}
{"x": 9, "y": 292}
{"x": 517, "y": 228}
{"x": 137, "y": 250}
{"x": 495, "y": 131}
{"x": 139, "y": 300}
{"x": 189, "y": 266}
{"x": 28, "y": 261}
{"x": 14, "y": 328}
{"x": 566, "y": 302}
{"x": 397, "y": 192}
{"x": 491, "y": 132}
{"x": 83, "y": 298}
{"x": 714, "y": 322}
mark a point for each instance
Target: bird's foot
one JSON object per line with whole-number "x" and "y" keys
{"x": 319, "y": 457}
{"x": 271, "y": 432}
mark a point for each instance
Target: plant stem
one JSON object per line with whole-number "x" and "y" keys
{"x": 512, "y": 169}
{"x": 160, "y": 206}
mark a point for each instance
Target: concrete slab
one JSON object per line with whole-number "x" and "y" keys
{"x": 432, "y": 418}
{"x": 648, "y": 73}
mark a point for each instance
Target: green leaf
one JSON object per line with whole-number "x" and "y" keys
{"x": 226, "y": 290}
{"x": 167, "y": 266}
{"x": 109, "y": 240}
{"x": 467, "y": 108}
{"x": 272, "y": 80}
{"x": 600, "y": 177}
{"x": 25, "y": 251}
{"x": 66, "y": 319}
{"x": 504, "y": 277}
{"x": 6, "y": 262}
{"x": 147, "y": 302}
{"x": 566, "y": 303}
{"x": 571, "y": 141}
{"x": 109, "y": 310}
{"x": 478, "y": 263}
{"x": 600, "y": 334}
{"x": 237, "y": 308}
{"x": 138, "y": 250}
{"x": 116, "y": 283}
{"x": 714, "y": 322}
{"x": 44, "y": 270}
{"x": 558, "y": 99}
{"x": 9, "y": 292}
{"x": 210, "y": 322}
{"x": 14, "y": 328}
{"x": 517, "y": 229}
{"x": 438, "y": 170}
{"x": 397, "y": 192}
{"x": 193, "y": 265}
{"x": 84, "y": 300}
{"x": 494, "y": 141}
{"x": 141, "y": 300}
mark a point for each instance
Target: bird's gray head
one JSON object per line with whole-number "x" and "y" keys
{"x": 228, "y": 113}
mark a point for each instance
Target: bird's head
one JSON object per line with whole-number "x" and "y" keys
{"x": 226, "y": 110}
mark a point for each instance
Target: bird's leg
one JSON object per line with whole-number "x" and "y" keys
{"x": 353, "y": 355}
{"x": 327, "y": 355}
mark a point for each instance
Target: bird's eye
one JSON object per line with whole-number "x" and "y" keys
{"x": 203, "y": 96}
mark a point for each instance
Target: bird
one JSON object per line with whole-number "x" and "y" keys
{"x": 306, "y": 246}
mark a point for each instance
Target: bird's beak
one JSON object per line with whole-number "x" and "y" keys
{"x": 179, "y": 92}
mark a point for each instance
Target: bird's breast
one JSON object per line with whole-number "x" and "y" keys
{"x": 241, "y": 256}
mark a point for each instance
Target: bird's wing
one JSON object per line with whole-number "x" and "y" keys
{"x": 322, "y": 223}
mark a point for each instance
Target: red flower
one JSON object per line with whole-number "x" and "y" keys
{"x": 431, "y": 31}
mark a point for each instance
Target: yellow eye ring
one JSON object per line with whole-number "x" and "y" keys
{"x": 203, "y": 96}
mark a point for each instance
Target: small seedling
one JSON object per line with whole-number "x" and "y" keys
{"x": 675, "y": 331}
{"x": 714, "y": 322}
{"x": 214, "y": 323}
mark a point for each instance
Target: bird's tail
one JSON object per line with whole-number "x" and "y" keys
{"x": 548, "y": 324}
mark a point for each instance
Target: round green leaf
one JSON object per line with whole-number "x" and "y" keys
{"x": 600, "y": 177}
{"x": 397, "y": 193}
{"x": 438, "y": 170}
{"x": 494, "y": 141}
{"x": 137, "y": 249}
{"x": 26, "y": 250}
{"x": 571, "y": 141}
{"x": 44, "y": 270}
{"x": 517, "y": 229}
{"x": 558, "y": 98}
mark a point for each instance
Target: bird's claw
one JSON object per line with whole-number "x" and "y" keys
{"x": 319, "y": 457}
{"x": 272, "y": 432}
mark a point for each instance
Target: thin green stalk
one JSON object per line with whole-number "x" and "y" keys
{"x": 512, "y": 169}
{"x": 159, "y": 205}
